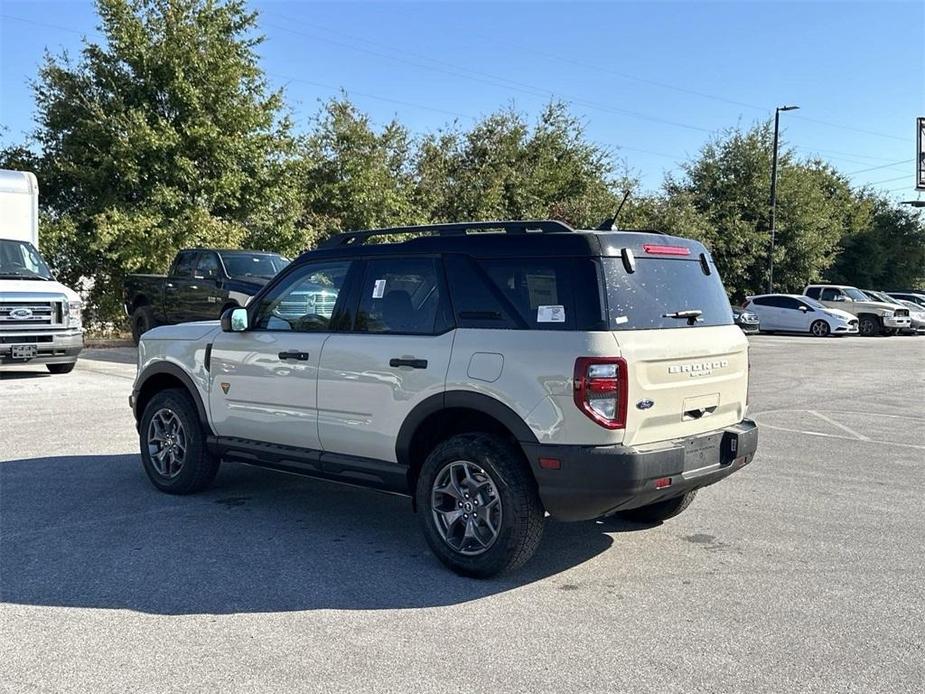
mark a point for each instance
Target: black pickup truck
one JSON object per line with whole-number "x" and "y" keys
{"x": 200, "y": 284}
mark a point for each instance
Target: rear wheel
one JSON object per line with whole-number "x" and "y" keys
{"x": 869, "y": 326}
{"x": 142, "y": 322}
{"x": 173, "y": 444}
{"x": 60, "y": 368}
{"x": 820, "y": 328}
{"x": 479, "y": 507}
{"x": 660, "y": 511}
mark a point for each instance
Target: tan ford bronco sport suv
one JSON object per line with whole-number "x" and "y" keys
{"x": 494, "y": 378}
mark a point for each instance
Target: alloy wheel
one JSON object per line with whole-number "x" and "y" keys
{"x": 167, "y": 443}
{"x": 466, "y": 507}
{"x": 819, "y": 328}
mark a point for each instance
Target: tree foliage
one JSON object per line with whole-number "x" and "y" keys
{"x": 164, "y": 136}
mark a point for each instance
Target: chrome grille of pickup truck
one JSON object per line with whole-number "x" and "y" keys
{"x": 299, "y": 304}
{"x": 901, "y": 312}
{"x": 28, "y": 315}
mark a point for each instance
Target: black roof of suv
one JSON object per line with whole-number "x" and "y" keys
{"x": 502, "y": 239}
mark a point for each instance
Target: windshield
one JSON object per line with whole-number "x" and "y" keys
{"x": 855, "y": 294}
{"x": 264, "y": 265}
{"x": 882, "y": 297}
{"x": 20, "y": 260}
{"x": 664, "y": 293}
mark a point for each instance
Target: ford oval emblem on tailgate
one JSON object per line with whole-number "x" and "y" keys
{"x": 644, "y": 404}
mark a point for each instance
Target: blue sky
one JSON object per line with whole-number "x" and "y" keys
{"x": 651, "y": 79}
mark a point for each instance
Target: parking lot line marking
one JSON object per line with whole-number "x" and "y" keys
{"x": 839, "y": 425}
{"x": 837, "y": 436}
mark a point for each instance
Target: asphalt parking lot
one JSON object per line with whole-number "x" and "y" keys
{"x": 803, "y": 572}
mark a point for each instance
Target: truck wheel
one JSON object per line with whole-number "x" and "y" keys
{"x": 479, "y": 506}
{"x": 820, "y": 328}
{"x": 869, "y": 326}
{"x": 173, "y": 444}
{"x": 61, "y": 368}
{"x": 661, "y": 510}
{"x": 142, "y": 322}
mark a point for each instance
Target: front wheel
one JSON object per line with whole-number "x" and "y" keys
{"x": 661, "y": 510}
{"x": 173, "y": 444}
{"x": 479, "y": 507}
{"x": 820, "y": 328}
{"x": 869, "y": 326}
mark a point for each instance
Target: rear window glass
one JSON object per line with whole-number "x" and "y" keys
{"x": 643, "y": 299}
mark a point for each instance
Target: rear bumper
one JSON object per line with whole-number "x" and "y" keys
{"x": 57, "y": 348}
{"x": 595, "y": 481}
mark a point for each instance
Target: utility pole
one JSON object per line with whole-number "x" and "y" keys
{"x": 777, "y": 112}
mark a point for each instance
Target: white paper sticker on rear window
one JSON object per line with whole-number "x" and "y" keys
{"x": 621, "y": 319}
{"x": 378, "y": 289}
{"x": 550, "y": 314}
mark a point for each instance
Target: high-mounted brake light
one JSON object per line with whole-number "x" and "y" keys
{"x": 600, "y": 385}
{"x": 655, "y": 249}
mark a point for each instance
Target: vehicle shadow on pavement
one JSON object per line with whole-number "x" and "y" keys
{"x": 19, "y": 375}
{"x": 90, "y": 531}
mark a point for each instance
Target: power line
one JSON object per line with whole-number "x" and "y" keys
{"x": 493, "y": 80}
{"x": 849, "y": 127}
{"x": 884, "y": 166}
{"x": 888, "y": 180}
{"x": 52, "y": 26}
{"x": 625, "y": 75}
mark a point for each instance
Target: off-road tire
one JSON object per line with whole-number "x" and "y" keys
{"x": 522, "y": 514}
{"x": 199, "y": 467}
{"x": 142, "y": 322}
{"x": 661, "y": 510}
{"x": 60, "y": 368}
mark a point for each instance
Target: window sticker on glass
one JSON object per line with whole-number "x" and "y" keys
{"x": 621, "y": 319}
{"x": 550, "y": 314}
{"x": 378, "y": 289}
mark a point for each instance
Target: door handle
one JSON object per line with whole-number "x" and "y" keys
{"x": 299, "y": 356}
{"x": 170, "y": 287}
{"x": 413, "y": 363}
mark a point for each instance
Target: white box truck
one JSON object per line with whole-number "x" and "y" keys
{"x": 40, "y": 319}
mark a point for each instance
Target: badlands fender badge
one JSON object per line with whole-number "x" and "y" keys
{"x": 644, "y": 404}
{"x": 225, "y": 387}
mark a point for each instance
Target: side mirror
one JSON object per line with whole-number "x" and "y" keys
{"x": 838, "y": 297}
{"x": 234, "y": 320}
{"x": 805, "y": 309}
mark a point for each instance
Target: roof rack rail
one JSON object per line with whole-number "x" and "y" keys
{"x": 544, "y": 226}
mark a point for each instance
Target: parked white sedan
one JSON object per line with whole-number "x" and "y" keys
{"x": 795, "y": 313}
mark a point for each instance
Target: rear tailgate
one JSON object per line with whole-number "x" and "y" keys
{"x": 686, "y": 361}
{"x": 683, "y": 382}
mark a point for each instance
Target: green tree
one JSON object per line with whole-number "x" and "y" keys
{"x": 727, "y": 190}
{"x": 352, "y": 177}
{"x": 887, "y": 253}
{"x": 163, "y": 136}
{"x": 503, "y": 168}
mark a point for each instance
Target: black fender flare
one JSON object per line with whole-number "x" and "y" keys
{"x": 171, "y": 369}
{"x": 459, "y": 399}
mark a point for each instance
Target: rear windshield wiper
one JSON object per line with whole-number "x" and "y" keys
{"x": 691, "y": 315}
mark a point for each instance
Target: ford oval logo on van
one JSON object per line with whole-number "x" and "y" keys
{"x": 644, "y": 404}
{"x": 21, "y": 313}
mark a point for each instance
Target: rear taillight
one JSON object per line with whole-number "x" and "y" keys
{"x": 600, "y": 389}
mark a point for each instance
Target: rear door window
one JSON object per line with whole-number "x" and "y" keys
{"x": 185, "y": 264}
{"x": 403, "y": 296}
{"x": 643, "y": 300}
